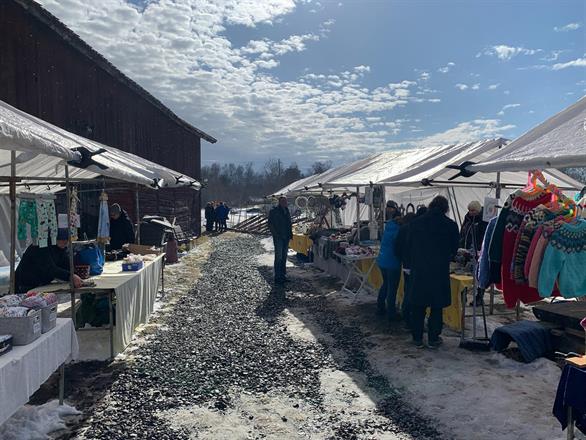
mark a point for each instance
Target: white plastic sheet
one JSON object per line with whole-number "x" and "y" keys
{"x": 42, "y": 150}
{"x": 558, "y": 142}
{"x": 26, "y": 368}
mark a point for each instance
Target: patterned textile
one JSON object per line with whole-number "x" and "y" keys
{"x": 27, "y": 215}
{"x": 47, "y": 218}
{"x": 564, "y": 260}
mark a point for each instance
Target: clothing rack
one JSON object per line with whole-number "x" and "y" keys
{"x": 36, "y": 196}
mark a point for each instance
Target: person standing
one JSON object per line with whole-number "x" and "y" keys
{"x": 121, "y": 228}
{"x": 209, "y": 216}
{"x": 433, "y": 242}
{"x": 472, "y": 235}
{"x": 403, "y": 254}
{"x": 389, "y": 264}
{"x": 279, "y": 223}
{"x": 224, "y": 212}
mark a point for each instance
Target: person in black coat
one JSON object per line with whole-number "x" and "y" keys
{"x": 121, "y": 228}
{"x": 40, "y": 266}
{"x": 209, "y": 216}
{"x": 281, "y": 229}
{"x": 432, "y": 242}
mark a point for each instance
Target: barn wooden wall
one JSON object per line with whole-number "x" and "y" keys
{"x": 43, "y": 74}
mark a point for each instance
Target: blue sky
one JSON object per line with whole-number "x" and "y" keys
{"x": 336, "y": 80}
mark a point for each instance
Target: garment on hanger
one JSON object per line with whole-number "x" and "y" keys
{"x": 47, "y": 219}
{"x": 73, "y": 215}
{"x": 103, "y": 220}
{"x": 542, "y": 240}
{"x": 564, "y": 260}
{"x": 487, "y": 274}
{"x": 27, "y": 215}
{"x": 510, "y": 218}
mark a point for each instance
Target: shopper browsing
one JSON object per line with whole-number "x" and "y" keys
{"x": 433, "y": 242}
{"x": 389, "y": 264}
{"x": 282, "y": 232}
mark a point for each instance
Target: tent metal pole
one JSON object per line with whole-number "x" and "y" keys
{"x": 358, "y": 213}
{"x": 452, "y": 205}
{"x": 12, "y": 221}
{"x": 457, "y": 208}
{"x": 69, "y": 243}
{"x": 498, "y": 185}
{"x": 137, "y": 208}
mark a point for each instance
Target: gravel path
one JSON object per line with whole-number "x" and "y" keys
{"x": 228, "y": 363}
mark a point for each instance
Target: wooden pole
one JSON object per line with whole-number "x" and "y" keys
{"x": 12, "y": 221}
{"x": 137, "y": 208}
{"x": 69, "y": 243}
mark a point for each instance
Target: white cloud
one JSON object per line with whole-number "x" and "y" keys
{"x": 424, "y": 76}
{"x": 505, "y": 53}
{"x": 434, "y": 100}
{"x": 494, "y": 86}
{"x": 506, "y": 107}
{"x": 467, "y": 132}
{"x": 568, "y": 27}
{"x": 446, "y": 68}
{"x": 295, "y": 43}
{"x": 461, "y": 86}
{"x": 475, "y": 87}
{"x": 554, "y": 55}
{"x": 579, "y": 62}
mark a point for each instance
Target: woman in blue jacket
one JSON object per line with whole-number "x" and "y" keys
{"x": 389, "y": 264}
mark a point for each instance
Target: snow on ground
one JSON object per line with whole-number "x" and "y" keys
{"x": 473, "y": 395}
{"x": 36, "y": 422}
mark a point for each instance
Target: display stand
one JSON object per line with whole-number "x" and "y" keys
{"x": 351, "y": 262}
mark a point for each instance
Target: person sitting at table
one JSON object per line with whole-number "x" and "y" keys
{"x": 39, "y": 266}
{"x": 389, "y": 264}
{"x": 121, "y": 228}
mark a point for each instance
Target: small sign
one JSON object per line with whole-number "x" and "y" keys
{"x": 490, "y": 208}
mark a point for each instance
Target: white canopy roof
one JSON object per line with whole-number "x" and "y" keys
{"x": 558, "y": 142}
{"x": 43, "y": 149}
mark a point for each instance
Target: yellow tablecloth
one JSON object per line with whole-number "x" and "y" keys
{"x": 301, "y": 244}
{"x": 452, "y": 314}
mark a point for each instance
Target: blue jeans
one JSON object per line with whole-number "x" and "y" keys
{"x": 388, "y": 291}
{"x": 281, "y": 248}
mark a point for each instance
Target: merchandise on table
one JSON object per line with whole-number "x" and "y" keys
{"x": 133, "y": 263}
{"x": 24, "y": 329}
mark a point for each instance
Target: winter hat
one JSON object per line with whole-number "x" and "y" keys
{"x": 474, "y": 205}
{"x": 62, "y": 234}
{"x": 115, "y": 209}
{"x": 392, "y": 204}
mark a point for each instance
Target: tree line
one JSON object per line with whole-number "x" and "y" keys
{"x": 241, "y": 184}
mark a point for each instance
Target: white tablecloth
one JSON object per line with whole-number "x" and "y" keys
{"x": 24, "y": 369}
{"x": 135, "y": 293}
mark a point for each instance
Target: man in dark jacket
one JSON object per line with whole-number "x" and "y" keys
{"x": 280, "y": 227}
{"x": 433, "y": 242}
{"x": 209, "y": 216}
{"x": 40, "y": 266}
{"x": 121, "y": 228}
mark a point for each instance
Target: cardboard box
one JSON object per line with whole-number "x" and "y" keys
{"x": 141, "y": 249}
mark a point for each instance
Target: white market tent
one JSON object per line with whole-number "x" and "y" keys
{"x": 558, "y": 142}
{"x": 417, "y": 175}
{"x": 43, "y": 149}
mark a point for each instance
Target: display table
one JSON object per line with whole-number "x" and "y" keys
{"x": 135, "y": 294}
{"x": 301, "y": 244}
{"x": 354, "y": 266}
{"x": 570, "y": 402}
{"x": 453, "y": 314}
{"x": 24, "y": 369}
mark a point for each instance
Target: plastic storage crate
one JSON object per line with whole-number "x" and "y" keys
{"x": 48, "y": 318}
{"x": 132, "y": 267}
{"x": 23, "y": 330}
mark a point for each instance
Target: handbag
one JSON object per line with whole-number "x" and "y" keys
{"x": 92, "y": 256}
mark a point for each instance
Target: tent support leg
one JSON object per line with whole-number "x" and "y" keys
{"x": 69, "y": 243}
{"x": 12, "y": 221}
{"x": 137, "y": 208}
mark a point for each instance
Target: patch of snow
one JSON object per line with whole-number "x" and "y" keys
{"x": 36, "y": 422}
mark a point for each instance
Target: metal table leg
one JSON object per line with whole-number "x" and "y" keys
{"x": 73, "y": 309}
{"x": 61, "y": 383}
{"x": 111, "y": 314}
{"x": 491, "y": 309}
{"x": 570, "y": 428}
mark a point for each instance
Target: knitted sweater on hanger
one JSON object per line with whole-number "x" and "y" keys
{"x": 532, "y": 220}
{"x": 539, "y": 244}
{"x": 518, "y": 207}
{"x": 565, "y": 261}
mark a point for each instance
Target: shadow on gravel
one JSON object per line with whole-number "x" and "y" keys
{"x": 347, "y": 347}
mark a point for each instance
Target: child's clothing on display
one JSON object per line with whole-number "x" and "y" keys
{"x": 27, "y": 215}
{"x": 47, "y": 219}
